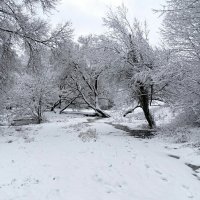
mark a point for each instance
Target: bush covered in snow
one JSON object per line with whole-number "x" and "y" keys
{"x": 89, "y": 135}
{"x": 32, "y": 94}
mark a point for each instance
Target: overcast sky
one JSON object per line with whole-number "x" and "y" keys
{"x": 86, "y": 15}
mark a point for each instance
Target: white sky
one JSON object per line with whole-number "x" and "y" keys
{"x": 86, "y": 15}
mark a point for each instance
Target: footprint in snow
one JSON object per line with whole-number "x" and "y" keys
{"x": 147, "y": 166}
{"x": 109, "y": 191}
{"x": 55, "y": 178}
{"x": 164, "y": 179}
{"x": 190, "y": 196}
{"x": 185, "y": 187}
{"x": 97, "y": 178}
{"x": 158, "y": 172}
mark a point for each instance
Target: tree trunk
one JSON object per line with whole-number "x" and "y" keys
{"x": 55, "y": 105}
{"x": 101, "y": 113}
{"x": 149, "y": 116}
{"x": 144, "y": 103}
{"x": 98, "y": 111}
{"x": 69, "y": 104}
{"x": 39, "y": 112}
{"x": 60, "y": 101}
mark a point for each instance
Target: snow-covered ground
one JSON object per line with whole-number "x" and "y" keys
{"x": 73, "y": 158}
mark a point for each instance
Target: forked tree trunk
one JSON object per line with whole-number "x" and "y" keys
{"x": 55, "y": 105}
{"x": 69, "y": 104}
{"x": 58, "y": 103}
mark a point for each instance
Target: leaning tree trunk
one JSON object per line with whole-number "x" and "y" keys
{"x": 101, "y": 113}
{"x": 98, "y": 111}
{"x": 144, "y": 103}
{"x": 55, "y": 105}
{"x": 69, "y": 104}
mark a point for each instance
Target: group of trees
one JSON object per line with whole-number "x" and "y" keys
{"x": 26, "y": 42}
{"x": 41, "y": 67}
{"x": 181, "y": 32}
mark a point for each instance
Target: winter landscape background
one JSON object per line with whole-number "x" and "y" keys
{"x": 108, "y": 111}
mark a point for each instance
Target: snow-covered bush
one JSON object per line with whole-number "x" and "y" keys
{"x": 181, "y": 32}
{"x": 187, "y": 117}
{"x": 32, "y": 94}
{"x": 185, "y": 134}
{"x": 88, "y": 135}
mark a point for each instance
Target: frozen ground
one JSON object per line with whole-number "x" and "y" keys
{"x": 69, "y": 158}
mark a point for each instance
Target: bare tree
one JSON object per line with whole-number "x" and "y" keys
{"x": 135, "y": 56}
{"x": 24, "y": 34}
{"x": 181, "y": 28}
{"x": 82, "y": 75}
{"x": 20, "y": 26}
{"x": 33, "y": 93}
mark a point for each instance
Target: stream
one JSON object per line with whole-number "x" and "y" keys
{"x": 138, "y": 133}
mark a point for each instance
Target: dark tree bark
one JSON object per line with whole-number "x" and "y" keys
{"x": 144, "y": 103}
{"x": 60, "y": 101}
{"x": 55, "y": 105}
{"x": 39, "y": 112}
{"x": 69, "y": 104}
{"x": 101, "y": 113}
{"x": 131, "y": 110}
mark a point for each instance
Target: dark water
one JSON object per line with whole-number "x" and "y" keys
{"x": 193, "y": 167}
{"x": 139, "y": 133}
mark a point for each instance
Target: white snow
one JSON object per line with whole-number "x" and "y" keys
{"x": 51, "y": 162}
